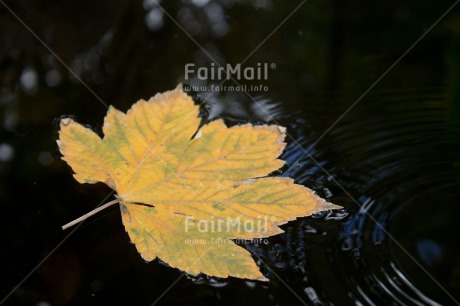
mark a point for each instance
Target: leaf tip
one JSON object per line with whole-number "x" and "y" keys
{"x": 66, "y": 121}
{"x": 330, "y": 206}
{"x": 281, "y": 129}
{"x": 262, "y": 279}
{"x": 180, "y": 87}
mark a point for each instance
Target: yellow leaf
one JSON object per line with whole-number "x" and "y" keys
{"x": 184, "y": 199}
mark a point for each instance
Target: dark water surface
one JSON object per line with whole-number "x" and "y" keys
{"x": 393, "y": 161}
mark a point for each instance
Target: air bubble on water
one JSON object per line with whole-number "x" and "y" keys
{"x": 45, "y": 158}
{"x": 97, "y": 286}
{"x": 6, "y": 152}
{"x": 250, "y": 284}
{"x": 10, "y": 119}
{"x": 216, "y": 17}
{"x": 29, "y": 79}
{"x": 149, "y": 4}
{"x": 154, "y": 19}
{"x": 200, "y": 3}
{"x": 53, "y": 78}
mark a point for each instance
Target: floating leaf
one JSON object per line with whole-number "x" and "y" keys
{"x": 184, "y": 199}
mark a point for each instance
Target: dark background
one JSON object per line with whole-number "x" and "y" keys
{"x": 396, "y": 152}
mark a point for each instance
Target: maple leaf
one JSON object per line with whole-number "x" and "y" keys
{"x": 184, "y": 199}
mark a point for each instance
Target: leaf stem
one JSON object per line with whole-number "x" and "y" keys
{"x": 87, "y": 215}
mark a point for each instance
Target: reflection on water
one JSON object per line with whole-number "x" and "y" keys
{"x": 396, "y": 152}
{"x": 355, "y": 258}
